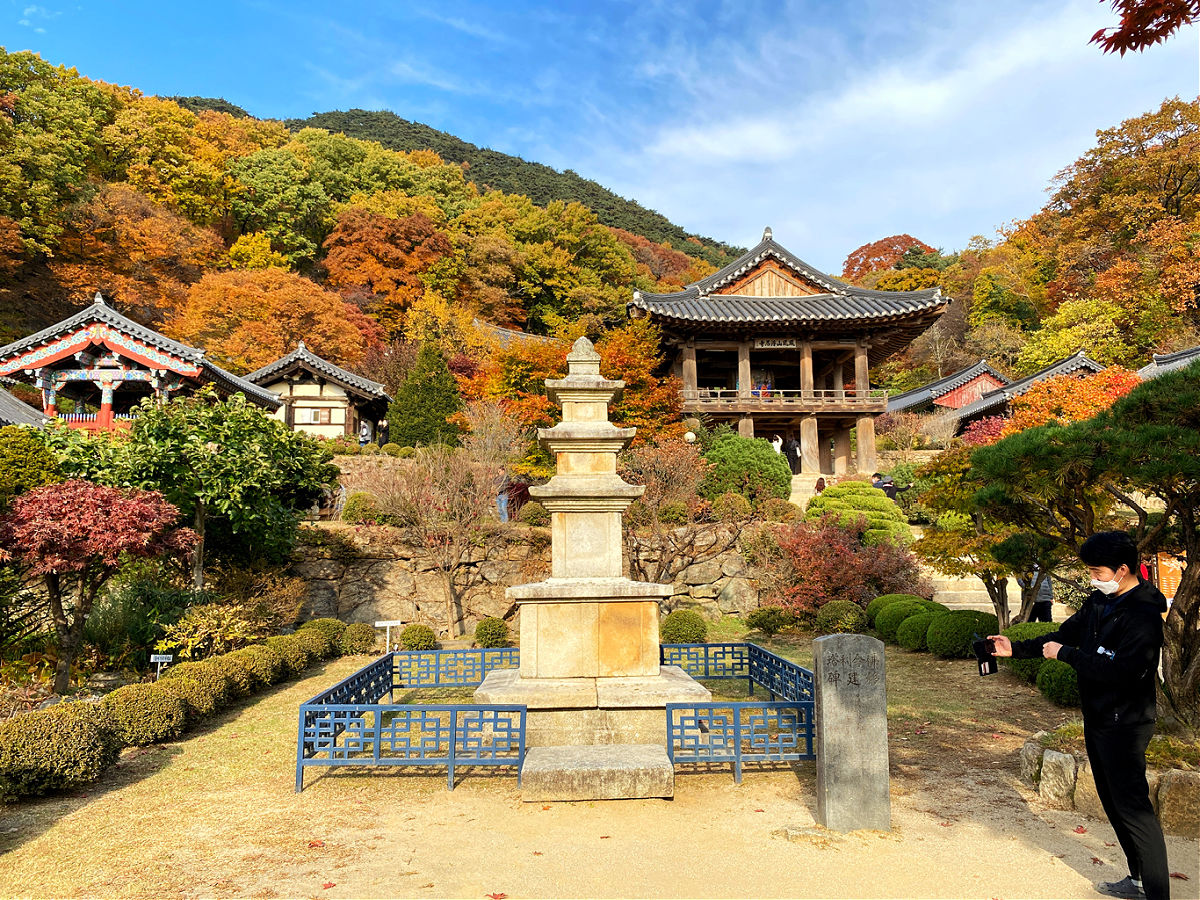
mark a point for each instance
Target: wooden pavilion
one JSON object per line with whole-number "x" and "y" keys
{"x": 783, "y": 349}
{"x": 953, "y": 391}
{"x": 105, "y": 363}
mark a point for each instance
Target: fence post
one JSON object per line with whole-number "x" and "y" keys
{"x": 852, "y": 751}
{"x": 300, "y": 753}
{"x": 453, "y": 741}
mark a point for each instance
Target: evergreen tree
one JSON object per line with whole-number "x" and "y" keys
{"x": 427, "y": 399}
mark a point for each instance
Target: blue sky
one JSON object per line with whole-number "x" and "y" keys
{"x": 836, "y": 123}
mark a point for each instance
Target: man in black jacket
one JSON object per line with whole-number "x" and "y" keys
{"x": 1113, "y": 644}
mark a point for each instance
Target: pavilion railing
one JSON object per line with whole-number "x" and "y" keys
{"x": 786, "y": 396}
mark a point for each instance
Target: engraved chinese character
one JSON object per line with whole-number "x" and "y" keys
{"x": 833, "y": 676}
{"x": 852, "y": 678}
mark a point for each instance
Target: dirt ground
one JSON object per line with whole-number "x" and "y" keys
{"x": 216, "y": 815}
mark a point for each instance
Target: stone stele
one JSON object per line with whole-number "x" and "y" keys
{"x": 590, "y": 670}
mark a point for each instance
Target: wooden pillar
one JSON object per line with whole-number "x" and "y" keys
{"x": 826, "y": 451}
{"x": 746, "y": 426}
{"x": 104, "y": 418}
{"x": 806, "y": 370}
{"x": 689, "y": 367}
{"x": 866, "y": 445}
{"x": 861, "y": 377}
{"x": 810, "y": 455}
{"x": 838, "y": 387}
{"x": 841, "y": 450}
{"x": 744, "y": 385}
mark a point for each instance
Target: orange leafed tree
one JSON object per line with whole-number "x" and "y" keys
{"x": 881, "y": 254}
{"x": 1068, "y": 398}
{"x": 246, "y": 319}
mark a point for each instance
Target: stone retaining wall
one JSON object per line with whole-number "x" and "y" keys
{"x": 1065, "y": 782}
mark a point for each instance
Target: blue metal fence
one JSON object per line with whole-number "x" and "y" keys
{"x": 451, "y": 668}
{"x": 781, "y": 677}
{"x": 737, "y": 733}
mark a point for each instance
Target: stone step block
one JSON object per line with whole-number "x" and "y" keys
{"x": 604, "y": 772}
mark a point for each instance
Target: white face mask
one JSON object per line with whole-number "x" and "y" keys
{"x": 1106, "y": 587}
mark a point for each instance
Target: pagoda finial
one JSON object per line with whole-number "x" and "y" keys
{"x": 583, "y": 358}
{"x": 99, "y": 300}
{"x": 768, "y": 235}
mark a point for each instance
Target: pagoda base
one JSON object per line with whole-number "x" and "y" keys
{"x": 590, "y": 711}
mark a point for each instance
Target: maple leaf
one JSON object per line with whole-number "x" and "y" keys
{"x": 1097, "y": 861}
{"x": 1079, "y": 829}
{"x": 495, "y": 896}
{"x": 538, "y": 853}
{"x": 327, "y": 885}
{"x": 605, "y": 837}
{"x": 315, "y": 845}
{"x": 1179, "y": 875}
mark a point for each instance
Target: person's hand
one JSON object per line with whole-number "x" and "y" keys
{"x": 1002, "y": 644}
{"x": 1050, "y": 649}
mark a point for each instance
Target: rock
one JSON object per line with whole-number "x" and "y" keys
{"x": 603, "y": 772}
{"x": 1087, "y": 801}
{"x": 702, "y": 573}
{"x": 103, "y": 682}
{"x": 317, "y": 569}
{"x": 52, "y": 700}
{"x": 738, "y": 597}
{"x": 1057, "y": 786}
{"x": 321, "y": 600}
{"x": 733, "y": 564}
{"x": 1179, "y": 803}
{"x": 704, "y": 592}
{"x": 1031, "y": 759}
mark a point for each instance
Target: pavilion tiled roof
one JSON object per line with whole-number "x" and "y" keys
{"x": 1169, "y": 362}
{"x": 506, "y": 337}
{"x": 997, "y": 399}
{"x": 99, "y": 311}
{"x": 303, "y": 358}
{"x": 14, "y": 412}
{"x": 925, "y": 394}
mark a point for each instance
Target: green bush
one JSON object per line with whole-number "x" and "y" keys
{"x": 491, "y": 632}
{"x": 295, "y": 655}
{"x": 673, "y": 512}
{"x": 406, "y": 453}
{"x": 130, "y": 618}
{"x": 770, "y": 619}
{"x": 841, "y": 617}
{"x": 773, "y": 509}
{"x": 746, "y": 466}
{"x": 533, "y": 513}
{"x": 684, "y": 626}
{"x": 264, "y": 663}
{"x": 214, "y": 686}
{"x": 141, "y": 714}
{"x": 240, "y": 674}
{"x": 360, "y": 508}
{"x": 317, "y": 642}
{"x": 391, "y": 449}
{"x": 25, "y": 463}
{"x": 331, "y": 628}
{"x": 418, "y": 637}
{"x": 1024, "y": 631}
{"x": 731, "y": 507}
{"x": 889, "y": 618}
{"x": 209, "y": 629}
{"x": 913, "y": 631}
{"x": 357, "y": 638}
{"x": 951, "y": 634}
{"x": 47, "y": 749}
{"x": 1058, "y": 682}
{"x": 884, "y": 600}
{"x": 851, "y": 501}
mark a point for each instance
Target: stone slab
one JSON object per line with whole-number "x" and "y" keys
{"x": 583, "y": 727}
{"x": 507, "y": 686}
{"x": 670, "y": 685}
{"x": 615, "y": 772}
{"x": 1179, "y": 803}
{"x": 587, "y": 590}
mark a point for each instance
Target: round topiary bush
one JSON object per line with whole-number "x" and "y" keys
{"x": 683, "y": 626}
{"x": 911, "y": 635}
{"x": 330, "y": 627}
{"x": 418, "y": 637}
{"x": 360, "y": 508}
{"x": 774, "y": 509}
{"x": 770, "y": 619}
{"x": 951, "y": 634}
{"x": 841, "y": 617}
{"x": 731, "y": 507}
{"x": 47, "y": 749}
{"x": 407, "y": 453}
{"x": 746, "y": 466}
{"x": 491, "y": 632}
{"x": 1024, "y": 631}
{"x": 673, "y": 512}
{"x": 1058, "y": 682}
{"x": 141, "y": 714}
{"x": 883, "y": 600}
{"x": 295, "y": 655}
{"x": 358, "y": 638}
{"x": 214, "y": 686}
{"x": 533, "y": 513}
{"x": 391, "y": 449}
{"x": 890, "y": 617}
{"x": 316, "y": 642}
{"x": 849, "y": 501}
{"x": 265, "y": 663}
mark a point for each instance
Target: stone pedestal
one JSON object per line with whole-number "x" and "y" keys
{"x": 633, "y": 771}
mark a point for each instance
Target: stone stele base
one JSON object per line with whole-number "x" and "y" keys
{"x": 589, "y": 711}
{"x": 621, "y": 772}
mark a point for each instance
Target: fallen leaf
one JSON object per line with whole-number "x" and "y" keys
{"x": 1179, "y": 875}
{"x": 427, "y": 885}
{"x": 920, "y": 731}
{"x": 545, "y": 807}
{"x": 315, "y": 845}
{"x": 495, "y": 896}
{"x": 758, "y": 810}
{"x": 995, "y": 735}
{"x": 1097, "y": 861}
{"x": 605, "y": 837}
{"x": 327, "y": 885}
{"x": 1079, "y": 829}
{"x": 944, "y": 824}
{"x": 1110, "y": 843}
{"x": 537, "y": 853}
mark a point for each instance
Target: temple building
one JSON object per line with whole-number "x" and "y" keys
{"x": 780, "y": 348}
{"x": 320, "y": 398}
{"x": 1169, "y": 362}
{"x": 953, "y": 391}
{"x": 998, "y": 402}
{"x": 104, "y": 363}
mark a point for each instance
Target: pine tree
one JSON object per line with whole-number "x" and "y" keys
{"x": 428, "y": 397}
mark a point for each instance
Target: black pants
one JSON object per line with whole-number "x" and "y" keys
{"x": 1041, "y": 611}
{"x": 1118, "y": 760}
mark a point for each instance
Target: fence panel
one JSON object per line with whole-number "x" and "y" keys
{"x": 738, "y": 733}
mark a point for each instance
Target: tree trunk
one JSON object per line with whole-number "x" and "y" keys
{"x": 997, "y": 589}
{"x": 451, "y": 606}
{"x": 1181, "y": 650}
{"x": 198, "y": 558}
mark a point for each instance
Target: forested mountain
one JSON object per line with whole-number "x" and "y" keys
{"x": 490, "y": 169}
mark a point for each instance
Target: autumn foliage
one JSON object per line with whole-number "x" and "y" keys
{"x": 878, "y": 255}
{"x": 1145, "y": 23}
{"x": 1069, "y": 398}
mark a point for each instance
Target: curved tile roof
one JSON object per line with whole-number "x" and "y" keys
{"x": 302, "y": 357}
{"x": 930, "y": 392}
{"x": 1169, "y": 362}
{"x": 1001, "y": 396}
{"x": 14, "y": 412}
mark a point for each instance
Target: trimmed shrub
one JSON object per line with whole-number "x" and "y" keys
{"x": 841, "y": 617}
{"x": 264, "y": 663}
{"x": 357, "y": 638}
{"x": 890, "y": 617}
{"x": 1024, "y": 631}
{"x": 774, "y": 509}
{"x": 684, "y": 626}
{"x": 214, "y": 686}
{"x": 317, "y": 642}
{"x": 238, "y": 672}
{"x": 1058, "y": 682}
{"x": 951, "y": 634}
{"x": 47, "y": 749}
{"x": 360, "y": 508}
{"x": 331, "y": 628}
{"x": 730, "y": 507}
{"x": 912, "y": 632}
{"x": 883, "y": 600}
{"x": 295, "y": 655}
{"x": 25, "y": 463}
{"x": 406, "y": 453}
{"x": 391, "y": 449}
{"x": 746, "y": 466}
{"x": 141, "y": 714}
{"x": 673, "y": 512}
{"x": 770, "y": 619}
{"x": 533, "y": 513}
{"x": 854, "y": 501}
{"x": 491, "y": 632}
{"x": 418, "y": 637}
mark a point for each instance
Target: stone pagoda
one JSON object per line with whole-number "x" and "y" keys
{"x": 590, "y": 673}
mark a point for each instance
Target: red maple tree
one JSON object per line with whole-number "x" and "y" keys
{"x": 1145, "y": 23}
{"x": 879, "y": 255}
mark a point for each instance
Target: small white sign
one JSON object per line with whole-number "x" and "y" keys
{"x": 390, "y": 624}
{"x": 161, "y": 658}
{"x": 774, "y": 343}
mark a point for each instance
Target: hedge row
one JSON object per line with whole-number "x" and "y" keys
{"x": 73, "y": 743}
